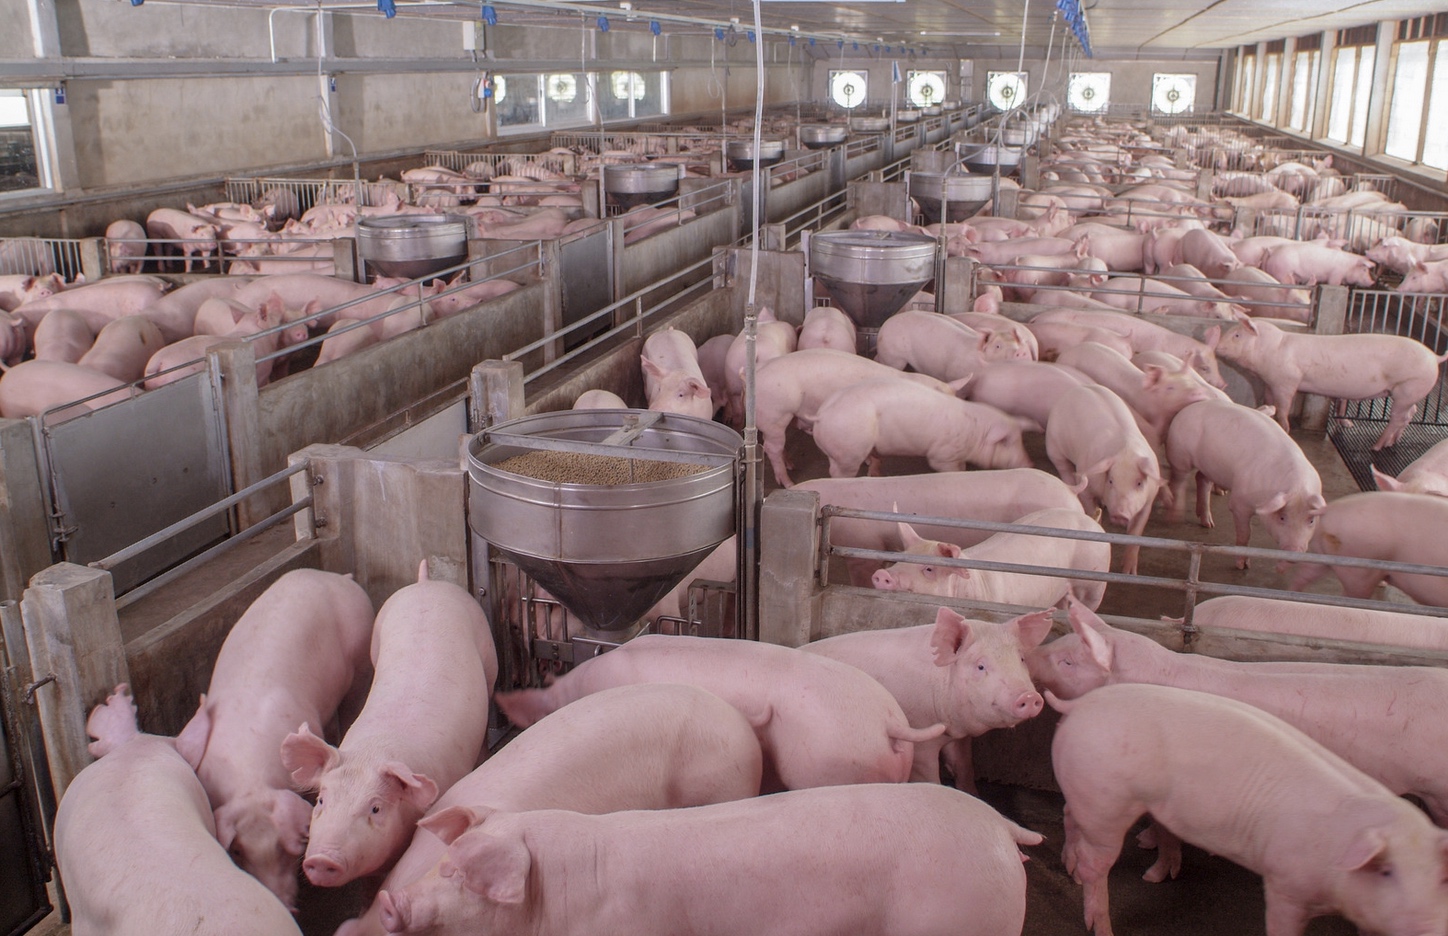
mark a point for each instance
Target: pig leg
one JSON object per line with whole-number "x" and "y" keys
{"x": 773, "y": 445}
{"x": 1204, "y": 501}
{"x": 1402, "y": 415}
{"x": 1286, "y": 916}
{"x": 1242, "y": 521}
{"x": 926, "y": 766}
{"x": 1281, "y": 397}
{"x": 1131, "y": 555}
{"x": 961, "y": 763}
{"x": 1168, "y": 852}
{"x": 1306, "y": 574}
{"x": 1358, "y": 583}
{"x": 875, "y": 468}
{"x": 1091, "y": 849}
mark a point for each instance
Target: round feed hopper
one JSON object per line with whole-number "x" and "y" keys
{"x": 819, "y": 136}
{"x": 933, "y": 110}
{"x": 984, "y": 158}
{"x": 634, "y": 184}
{"x": 411, "y": 246}
{"x": 872, "y": 274}
{"x": 870, "y": 124}
{"x": 740, "y": 154}
{"x": 606, "y": 509}
{"x": 964, "y": 194}
{"x": 909, "y": 115}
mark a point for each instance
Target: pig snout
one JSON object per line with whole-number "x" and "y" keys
{"x": 884, "y": 581}
{"x": 324, "y": 870}
{"x": 1027, "y": 705}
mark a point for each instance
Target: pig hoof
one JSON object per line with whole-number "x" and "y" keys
{"x": 1345, "y": 422}
{"x": 1243, "y": 562}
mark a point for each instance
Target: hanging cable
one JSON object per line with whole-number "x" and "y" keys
{"x": 752, "y": 488}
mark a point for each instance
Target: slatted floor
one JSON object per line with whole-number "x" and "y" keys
{"x": 1355, "y": 442}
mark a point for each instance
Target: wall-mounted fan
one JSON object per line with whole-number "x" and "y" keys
{"x": 847, "y": 88}
{"x": 1173, "y": 94}
{"x": 562, "y": 88}
{"x": 1006, "y": 90}
{"x": 1089, "y": 92}
{"x": 925, "y": 88}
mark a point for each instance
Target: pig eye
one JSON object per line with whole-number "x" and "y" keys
{"x": 980, "y": 667}
{"x": 376, "y": 809}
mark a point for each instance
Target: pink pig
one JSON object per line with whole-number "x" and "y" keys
{"x": 1024, "y": 389}
{"x": 1148, "y": 336}
{"x": 1055, "y": 337}
{"x": 136, "y": 845}
{"x": 1093, "y": 436}
{"x": 1154, "y": 394}
{"x": 17, "y": 289}
{"x": 1001, "y": 587}
{"x": 1244, "y": 452}
{"x": 1426, "y": 278}
{"x": 290, "y": 659}
{"x": 195, "y": 234}
{"x": 1249, "y": 787}
{"x": 1381, "y": 525}
{"x": 123, "y": 347}
{"x": 966, "y": 674}
{"x": 1349, "y": 367}
{"x": 646, "y": 746}
{"x": 938, "y": 345}
{"x": 1357, "y": 625}
{"x": 421, "y": 731}
{"x": 1312, "y": 263}
{"x": 673, "y": 382}
{"x": 34, "y": 387}
{"x": 63, "y": 335}
{"x": 100, "y": 302}
{"x": 913, "y": 860}
{"x": 772, "y": 339}
{"x": 895, "y": 417}
{"x": 125, "y": 246}
{"x": 827, "y": 327}
{"x": 819, "y": 722}
{"x": 1427, "y": 474}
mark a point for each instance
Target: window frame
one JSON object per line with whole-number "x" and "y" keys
{"x": 1433, "y": 47}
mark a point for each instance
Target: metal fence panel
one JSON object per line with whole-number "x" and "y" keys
{"x": 112, "y": 486}
{"x": 587, "y": 278}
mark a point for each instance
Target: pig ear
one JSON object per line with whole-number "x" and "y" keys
{"x": 952, "y": 634}
{"x": 956, "y": 386}
{"x": 1368, "y": 815}
{"x": 908, "y": 536}
{"x": 1151, "y": 375}
{"x": 1276, "y": 503}
{"x": 697, "y": 388}
{"x": 1316, "y": 505}
{"x": 494, "y": 866}
{"x": 417, "y": 789}
{"x": 984, "y": 339}
{"x": 1214, "y": 334}
{"x": 1386, "y": 482}
{"x": 1089, "y": 628}
{"x": 650, "y": 368}
{"x": 293, "y": 817}
{"x": 191, "y": 742}
{"x": 448, "y": 824}
{"x": 1032, "y": 628}
{"x": 306, "y": 757}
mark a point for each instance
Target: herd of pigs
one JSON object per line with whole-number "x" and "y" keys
{"x": 630, "y": 801}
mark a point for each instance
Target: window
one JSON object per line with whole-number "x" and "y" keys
{"x": 1271, "y": 73}
{"x": 629, "y": 94}
{"x": 518, "y": 99}
{"x": 1352, "y": 80}
{"x": 1005, "y": 90}
{"x": 1405, "y": 112}
{"x": 1248, "y": 88}
{"x": 18, "y": 166}
{"x": 1089, "y": 92}
{"x": 566, "y": 98}
{"x": 1173, "y": 94}
{"x": 559, "y": 99}
{"x": 1304, "y": 89}
{"x": 1435, "y": 141}
{"x": 847, "y": 88}
{"x": 924, "y": 88}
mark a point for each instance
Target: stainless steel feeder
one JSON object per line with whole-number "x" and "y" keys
{"x": 909, "y": 115}
{"x": 872, "y": 274}
{"x": 819, "y": 136}
{"x": 870, "y": 124}
{"x": 965, "y": 194}
{"x": 608, "y": 552}
{"x": 411, "y": 246}
{"x": 634, "y": 184}
{"x": 740, "y": 153}
{"x": 933, "y": 110}
{"x": 983, "y": 158}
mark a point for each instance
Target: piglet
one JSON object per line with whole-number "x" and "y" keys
{"x": 421, "y": 731}
{"x": 290, "y": 659}
{"x": 819, "y": 722}
{"x": 125, "y": 246}
{"x": 137, "y": 849}
{"x": 1247, "y": 786}
{"x": 915, "y": 860}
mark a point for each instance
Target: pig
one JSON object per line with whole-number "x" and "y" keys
{"x": 1244, "y": 452}
{"x": 1148, "y": 336}
{"x": 673, "y": 382}
{"x": 123, "y": 347}
{"x": 543, "y": 224}
{"x": 421, "y": 730}
{"x": 346, "y": 337}
{"x": 195, "y": 234}
{"x": 219, "y": 316}
{"x": 1400, "y": 254}
{"x": 1305, "y": 619}
{"x": 1009, "y": 588}
{"x": 1161, "y": 247}
{"x": 599, "y": 399}
{"x": 883, "y": 223}
{"x": 35, "y": 387}
{"x": 299, "y": 290}
{"x": 1154, "y": 394}
{"x": 17, "y": 289}
{"x": 1025, "y": 389}
{"x": 100, "y": 302}
{"x": 1007, "y": 251}
{"x": 772, "y": 339}
{"x": 935, "y": 344}
{"x": 1367, "y": 715}
{"x": 1261, "y": 295}
{"x": 1000, "y": 496}
{"x": 1027, "y": 273}
{"x": 1119, "y": 248}
{"x": 1252, "y": 250}
{"x": 995, "y": 322}
{"x": 1189, "y": 279}
{"x": 1208, "y": 252}
{"x": 819, "y": 722}
{"x": 1312, "y": 263}
{"x": 965, "y": 674}
{"x": 646, "y": 220}
{"x": 919, "y": 860}
{"x": 1426, "y": 278}
{"x": 125, "y": 246}
{"x": 895, "y": 417}
{"x": 712, "y": 354}
{"x": 262, "y": 328}
{"x": 63, "y": 335}
{"x": 827, "y": 327}
{"x": 647, "y": 746}
{"x": 1143, "y": 359}
{"x": 176, "y": 312}
{"x": 1348, "y": 367}
{"x": 793, "y": 387}
{"x": 290, "y": 658}
{"x": 1139, "y": 295}
{"x": 1092, "y": 435}
{"x": 136, "y": 845}
{"x": 1427, "y": 474}
{"x": 1247, "y": 786}
{"x": 1055, "y": 337}
{"x": 450, "y": 298}
{"x": 1386, "y": 525}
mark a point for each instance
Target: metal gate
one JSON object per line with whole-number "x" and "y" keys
{"x": 1354, "y": 425}
{"x": 24, "y": 784}
{"x": 121, "y": 473}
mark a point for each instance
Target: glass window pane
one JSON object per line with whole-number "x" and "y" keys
{"x": 1435, "y": 144}
{"x": 1405, "y": 115}
{"x": 615, "y": 94}
{"x": 1362, "y": 90}
{"x": 18, "y": 166}
{"x": 652, "y": 102}
{"x": 1271, "y": 70}
{"x": 565, "y": 98}
{"x": 1301, "y": 72}
{"x": 1339, "y": 113}
{"x": 516, "y": 97}
{"x": 1249, "y": 84}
